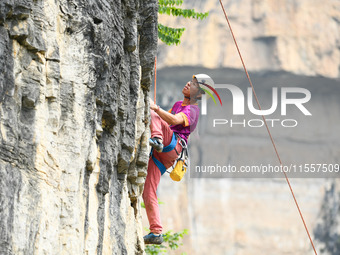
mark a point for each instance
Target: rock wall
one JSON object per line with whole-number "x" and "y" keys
{"x": 73, "y": 86}
{"x": 299, "y": 36}
{"x": 327, "y": 228}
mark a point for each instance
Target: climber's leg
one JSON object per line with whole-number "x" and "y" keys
{"x": 158, "y": 126}
{"x": 150, "y": 197}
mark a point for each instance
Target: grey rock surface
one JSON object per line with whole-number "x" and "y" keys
{"x": 74, "y": 82}
{"x": 328, "y": 224}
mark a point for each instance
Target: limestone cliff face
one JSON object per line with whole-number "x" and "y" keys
{"x": 73, "y": 86}
{"x": 327, "y": 229}
{"x": 299, "y": 36}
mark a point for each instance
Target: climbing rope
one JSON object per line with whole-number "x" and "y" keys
{"x": 264, "y": 119}
{"x": 155, "y": 83}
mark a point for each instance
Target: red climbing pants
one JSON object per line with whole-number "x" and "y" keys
{"x": 159, "y": 128}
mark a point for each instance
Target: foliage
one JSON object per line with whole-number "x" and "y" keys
{"x": 143, "y": 205}
{"x": 170, "y": 35}
{"x": 172, "y": 241}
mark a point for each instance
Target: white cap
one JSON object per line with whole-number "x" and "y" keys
{"x": 204, "y": 79}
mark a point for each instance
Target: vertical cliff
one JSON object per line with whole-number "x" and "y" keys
{"x": 73, "y": 86}
{"x": 327, "y": 228}
{"x": 299, "y": 36}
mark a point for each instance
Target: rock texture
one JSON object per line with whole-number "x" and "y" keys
{"x": 328, "y": 226}
{"x": 73, "y": 86}
{"x": 299, "y": 36}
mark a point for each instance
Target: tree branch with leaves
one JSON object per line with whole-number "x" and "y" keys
{"x": 169, "y": 35}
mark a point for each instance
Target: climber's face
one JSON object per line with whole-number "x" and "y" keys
{"x": 191, "y": 88}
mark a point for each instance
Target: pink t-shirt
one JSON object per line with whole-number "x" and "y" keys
{"x": 190, "y": 114}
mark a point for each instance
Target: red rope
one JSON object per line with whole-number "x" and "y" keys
{"x": 271, "y": 138}
{"x": 155, "y": 84}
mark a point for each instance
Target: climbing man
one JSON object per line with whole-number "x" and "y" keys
{"x": 167, "y": 129}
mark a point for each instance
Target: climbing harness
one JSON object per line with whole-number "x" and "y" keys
{"x": 264, "y": 119}
{"x": 180, "y": 165}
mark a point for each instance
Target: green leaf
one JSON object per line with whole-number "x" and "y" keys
{"x": 186, "y": 13}
{"x": 170, "y": 3}
{"x": 172, "y": 240}
{"x": 169, "y": 35}
{"x": 172, "y": 36}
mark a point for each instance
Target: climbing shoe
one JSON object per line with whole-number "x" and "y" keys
{"x": 152, "y": 238}
{"x": 156, "y": 143}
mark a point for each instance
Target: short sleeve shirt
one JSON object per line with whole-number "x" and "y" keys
{"x": 190, "y": 115}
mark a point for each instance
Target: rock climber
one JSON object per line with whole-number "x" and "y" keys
{"x": 180, "y": 121}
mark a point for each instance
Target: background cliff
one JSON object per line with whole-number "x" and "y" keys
{"x": 284, "y": 44}
{"x": 74, "y": 79}
{"x": 248, "y": 215}
{"x": 299, "y": 36}
{"x": 73, "y": 86}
